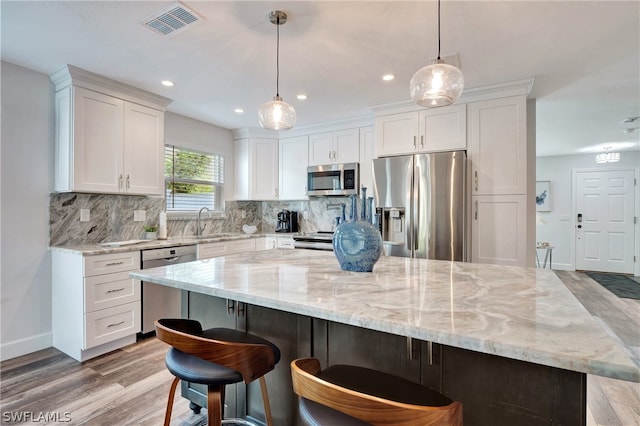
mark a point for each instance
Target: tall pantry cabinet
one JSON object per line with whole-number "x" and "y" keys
{"x": 501, "y": 174}
{"x": 109, "y": 136}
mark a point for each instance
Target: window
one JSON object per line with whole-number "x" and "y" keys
{"x": 193, "y": 179}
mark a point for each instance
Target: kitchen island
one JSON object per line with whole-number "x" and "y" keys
{"x": 513, "y": 344}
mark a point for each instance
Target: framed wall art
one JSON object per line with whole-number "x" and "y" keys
{"x": 543, "y": 196}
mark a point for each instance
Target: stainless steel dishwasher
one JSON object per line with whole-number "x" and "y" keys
{"x": 159, "y": 301}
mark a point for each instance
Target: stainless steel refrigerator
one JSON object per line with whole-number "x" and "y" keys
{"x": 420, "y": 203}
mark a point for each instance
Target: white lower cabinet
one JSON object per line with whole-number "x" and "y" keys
{"x": 499, "y": 229}
{"x": 271, "y": 243}
{"x": 96, "y": 307}
{"x": 223, "y": 248}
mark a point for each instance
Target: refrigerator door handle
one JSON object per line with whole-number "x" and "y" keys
{"x": 416, "y": 215}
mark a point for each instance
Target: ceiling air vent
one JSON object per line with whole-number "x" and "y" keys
{"x": 171, "y": 20}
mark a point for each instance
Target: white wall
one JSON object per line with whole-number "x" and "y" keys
{"x": 198, "y": 135}
{"x": 26, "y": 175}
{"x": 556, "y": 226}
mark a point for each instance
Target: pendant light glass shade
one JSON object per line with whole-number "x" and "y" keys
{"x": 436, "y": 85}
{"x": 276, "y": 115}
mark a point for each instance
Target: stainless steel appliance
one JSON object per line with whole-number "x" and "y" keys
{"x": 287, "y": 221}
{"x": 159, "y": 301}
{"x": 333, "y": 179}
{"x": 420, "y": 203}
{"x": 318, "y": 241}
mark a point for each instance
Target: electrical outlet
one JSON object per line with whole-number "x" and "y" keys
{"x": 85, "y": 215}
{"x": 139, "y": 215}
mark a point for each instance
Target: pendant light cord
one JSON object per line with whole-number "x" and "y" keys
{"x": 438, "y": 30}
{"x": 278, "y": 56}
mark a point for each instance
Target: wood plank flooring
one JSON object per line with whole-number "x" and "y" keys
{"x": 130, "y": 386}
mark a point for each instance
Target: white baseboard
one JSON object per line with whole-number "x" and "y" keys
{"x": 25, "y": 346}
{"x": 563, "y": 266}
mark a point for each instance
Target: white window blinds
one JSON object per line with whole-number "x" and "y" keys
{"x": 193, "y": 179}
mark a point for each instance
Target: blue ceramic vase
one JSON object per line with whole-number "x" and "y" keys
{"x": 357, "y": 244}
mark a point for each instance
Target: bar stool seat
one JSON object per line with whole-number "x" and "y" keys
{"x": 356, "y": 396}
{"x": 215, "y": 357}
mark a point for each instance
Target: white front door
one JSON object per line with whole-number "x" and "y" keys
{"x": 605, "y": 220}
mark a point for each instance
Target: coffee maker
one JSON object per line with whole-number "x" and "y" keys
{"x": 287, "y": 221}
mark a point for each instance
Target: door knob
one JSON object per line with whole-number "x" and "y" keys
{"x": 579, "y": 226}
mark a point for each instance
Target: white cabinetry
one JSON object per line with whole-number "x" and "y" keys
{"x": 498, "y": 146}
{"x": 256, "y": 169}
{"x": 431, "y": 130}
{"x": 106, "y": 142}
{"x": 334, "y": 147}
{"x": 271, "y": 242}
{"x": 499, "y": 180}
{"x": 95, "y": 305}
{"x": 367, "y": 154}
{"x": 223, "y": 248}
{"x": 294, "y": 153}
{"x": 498, "y": 233}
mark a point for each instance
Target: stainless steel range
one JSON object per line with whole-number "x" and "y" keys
{"x": 318, "y": 241}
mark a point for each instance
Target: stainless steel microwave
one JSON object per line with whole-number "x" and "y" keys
{"x": 333, "y": 179}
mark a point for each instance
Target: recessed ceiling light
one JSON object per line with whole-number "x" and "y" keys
{"x": 302, "y": 97}
{"x": 388, "y": 77}
{"x": 238, "y": 110}
{"x": 167, "y": 83}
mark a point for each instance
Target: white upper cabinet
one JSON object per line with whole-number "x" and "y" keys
{"x": 334, "y": 147}
{"x": 430, "y": 130}
{"x": 367, "y": 154}
{"x": 498, "y": 146}
{"x": 106, "y": 140}
{"x": 256, "y": 169}
{"x": 293, "y": 167}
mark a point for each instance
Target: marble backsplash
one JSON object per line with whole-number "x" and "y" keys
{"x": 111, "y": 217}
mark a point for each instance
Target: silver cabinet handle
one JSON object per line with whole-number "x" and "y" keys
{"x": 414, "y": 142}
{"x": 115, "y": 263}
{"x": 115, "y": 324}
{"x": 115, "y": 290}
{"x": 120, "y": 182}
{"x": 475, "y": 215}
{"x": 231, "y": 306}
{"x": 329, "y": 155}
{"x": 475, "y": 180}
{"x": 128, "y": 182}
{"x": 421, "y": 141}
{"x": 275, "y": 192}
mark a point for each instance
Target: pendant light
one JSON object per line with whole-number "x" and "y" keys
{"x": 438, "y": 84}
{"x": 277, "y": 114}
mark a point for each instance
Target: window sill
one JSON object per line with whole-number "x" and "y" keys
{"x": 192, "y": 215}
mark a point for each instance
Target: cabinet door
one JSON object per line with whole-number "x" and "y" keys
{"x": 98, "y": 128}
{"x": 346, "y": 146}
{"x": 294, "y": 153}
{"x": 498, "y": 146}
{"x": 264, "y": 161}
{"x": 143, "y": 150}
{"x": 321, "y": 149}
{"x": 396, "y": 134}
{"x": 242, "y": 169}
{"x": 367, "y": 154}
{"x": 499, "y": 229}
{"x": 443, "y": 129}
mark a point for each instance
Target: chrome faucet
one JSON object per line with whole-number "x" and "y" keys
{"x": 199, "y": 230}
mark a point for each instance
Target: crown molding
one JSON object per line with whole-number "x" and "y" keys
{"x": 71, "y": 75}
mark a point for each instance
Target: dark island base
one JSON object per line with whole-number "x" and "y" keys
{"x": 493, "y": 390}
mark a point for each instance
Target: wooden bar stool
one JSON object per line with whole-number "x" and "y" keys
{"x": 215, "y": 357}
{"x": 354, "y": 396}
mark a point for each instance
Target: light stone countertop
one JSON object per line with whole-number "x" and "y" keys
{"x": 95, "y": 249}
{"x": 521, "y": 313}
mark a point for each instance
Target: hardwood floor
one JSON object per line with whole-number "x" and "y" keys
{"x": 130, "y": 386}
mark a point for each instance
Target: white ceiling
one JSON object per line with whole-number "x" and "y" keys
{"x": 584, "y": 56}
